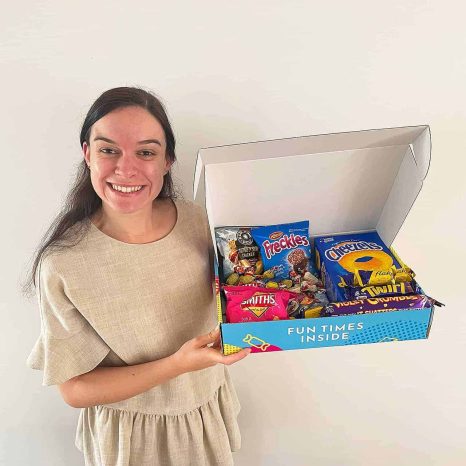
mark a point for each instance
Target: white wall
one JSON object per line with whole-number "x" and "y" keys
{"x": 233, "y": 72}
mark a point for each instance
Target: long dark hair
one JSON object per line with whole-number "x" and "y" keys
{"x": 82, "y": 201}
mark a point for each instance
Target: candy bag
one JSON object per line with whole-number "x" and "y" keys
{"x": 285, "y": 249}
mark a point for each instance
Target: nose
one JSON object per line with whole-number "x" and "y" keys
{"x": 126, "y": 166}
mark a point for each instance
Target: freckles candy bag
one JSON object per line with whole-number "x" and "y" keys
{"x": 285, "y": 249}
{"x": 255, "y": 304}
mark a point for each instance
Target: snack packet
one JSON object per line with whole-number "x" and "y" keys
{"x": 255, "y": 304}
{"x": 340, "y": 255}
{"x": 379, "y": 291}
{"x": 376, "y": 305}
{"x": 306, "y": 305}
{"x": 286, "y": 250}
{"x": 240, "y": 255}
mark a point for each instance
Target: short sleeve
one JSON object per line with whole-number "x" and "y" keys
{"x": 68, "y": 345}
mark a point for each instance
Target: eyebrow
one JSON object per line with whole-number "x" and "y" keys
{"x": 145, "y": 141}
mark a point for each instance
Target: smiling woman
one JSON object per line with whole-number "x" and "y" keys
{"x": 125, "y": 294}
{"x": 125, "y": 161}
{"x": 125, "y": 153}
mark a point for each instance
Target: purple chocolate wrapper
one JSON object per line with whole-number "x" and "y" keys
{"x": 379, "y": 291}
{"x": 367, "y": 306}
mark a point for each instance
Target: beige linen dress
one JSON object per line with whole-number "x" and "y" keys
{"x": 104, "y": 302}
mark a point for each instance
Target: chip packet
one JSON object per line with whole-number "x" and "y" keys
{"x": 340, "y": 255}
{"x": 240, "y": 255}
{"x": 255, "y": 304}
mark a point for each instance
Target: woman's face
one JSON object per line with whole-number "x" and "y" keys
{"x": 127, "y": 157}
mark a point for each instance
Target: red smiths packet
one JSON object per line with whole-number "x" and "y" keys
{"x": 255, "y": 304}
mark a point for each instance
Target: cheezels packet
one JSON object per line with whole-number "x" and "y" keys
{"x": 285, "y": 249}
{"x": 338, "y": 256}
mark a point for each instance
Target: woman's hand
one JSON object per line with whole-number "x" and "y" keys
{"x": 204, "y": 351}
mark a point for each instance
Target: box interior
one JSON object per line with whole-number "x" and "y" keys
{"x": 341, "y": 183}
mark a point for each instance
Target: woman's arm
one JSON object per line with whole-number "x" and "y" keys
{"x": 105, "y": 385}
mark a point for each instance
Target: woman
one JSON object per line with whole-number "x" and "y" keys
{"x": 124, "y": 285}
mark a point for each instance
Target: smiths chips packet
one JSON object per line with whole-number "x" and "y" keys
{"x": 285, "y": 249}
{"x": 255, "y": 304}
{"x": 337, "y": 256}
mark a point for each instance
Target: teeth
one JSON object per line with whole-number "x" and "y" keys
{"x": 125, "y": 189}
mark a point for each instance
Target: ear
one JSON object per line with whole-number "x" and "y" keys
{"x": 87, "y": 153}
{"x": 168, "y": 165}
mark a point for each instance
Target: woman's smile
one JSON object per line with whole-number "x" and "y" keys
{"x": 125, "y": 190}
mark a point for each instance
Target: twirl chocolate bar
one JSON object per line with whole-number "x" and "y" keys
{"x": 372, "y": 291}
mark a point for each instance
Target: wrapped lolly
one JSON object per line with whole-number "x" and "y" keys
{"x": 375, "y": 305}
{"x": 305, "y": 306}
{"x": 403, "y": 275}
{"x": 374, "y": 277}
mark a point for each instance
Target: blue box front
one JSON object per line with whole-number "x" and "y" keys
{"x": 282, "y": 335}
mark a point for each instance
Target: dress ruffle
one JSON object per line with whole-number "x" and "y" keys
{"x": 204, "y": 436}
{"x": 68, "y": 345}
{"x": 62, "y": 359}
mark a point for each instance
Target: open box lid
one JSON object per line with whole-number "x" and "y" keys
{"x": 340, "y": 182}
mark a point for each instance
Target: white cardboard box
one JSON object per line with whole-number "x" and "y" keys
{"x": 340, "y": 182}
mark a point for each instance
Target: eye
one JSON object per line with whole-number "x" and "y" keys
{"x": 146, "y": 153}
{"x": 107, "y": 150}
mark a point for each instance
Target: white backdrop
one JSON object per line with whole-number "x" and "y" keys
{"x": 234, "y": 72}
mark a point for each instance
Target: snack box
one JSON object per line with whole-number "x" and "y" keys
{"x": 342, "y": 183}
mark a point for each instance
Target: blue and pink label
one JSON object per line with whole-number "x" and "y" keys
{"x": 282, "y": 335}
